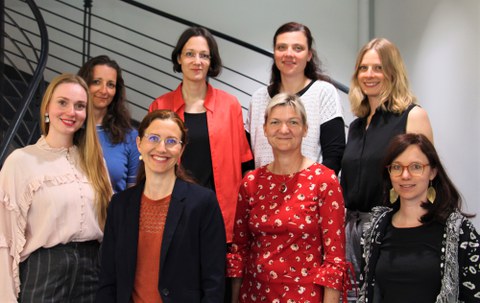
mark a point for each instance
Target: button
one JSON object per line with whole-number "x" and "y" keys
{"x": 165, "y": 292}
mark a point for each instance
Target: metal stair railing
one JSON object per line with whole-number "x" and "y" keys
{"x": 143, "y": 54}
{"x": 20, "y": 50}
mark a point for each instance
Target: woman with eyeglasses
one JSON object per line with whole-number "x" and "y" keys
{"x": 217, "y": 141}
{"x": 164, "y": 237}
{"x": 421, "y": 248}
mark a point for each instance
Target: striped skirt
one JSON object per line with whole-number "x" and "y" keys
{"x": 63, "y": 273}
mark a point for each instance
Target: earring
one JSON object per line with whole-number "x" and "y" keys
{"x": 431, "y": 193}
{"x": 140, "y": 158}
{"x": 393, "y": 195}
{"x": 47, "y": 118}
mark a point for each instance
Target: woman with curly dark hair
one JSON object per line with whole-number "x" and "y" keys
{"x": 117, "y": 137}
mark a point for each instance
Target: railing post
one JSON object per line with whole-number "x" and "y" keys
{"x": 87, "y": 27}
{"x": 2, "y": 45}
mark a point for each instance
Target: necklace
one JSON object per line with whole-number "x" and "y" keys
{"x": 286, "y": 179}
{"x": 283, "y": 185}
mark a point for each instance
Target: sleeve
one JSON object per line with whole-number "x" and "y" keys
{"x": 332, "y": 143}
{"x": 248, "y": 165}
{"x": 333, "y": 273}
{"x": 133, "y": 160}
{"x": 213, "y": 250}
{"x": 330, "y": 105}
{"x": 245, "y": 152}
{"x": 248, "y": 120}
{"x": 154, "y": 105}
{"x": 469, "y": 263}
{"x": 8, "y": 289}
{"x": 107, "y": 289}
{"x": 238, "y": 251}
{"x": 12, "y": 227}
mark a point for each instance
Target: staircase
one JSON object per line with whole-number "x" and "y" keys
{"x": 78, "y": 32}
{"x": 23, "y": 56}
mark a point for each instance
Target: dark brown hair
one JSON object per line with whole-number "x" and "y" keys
{"x": 448, "y": 198}
{"x": 312, "y": 70}
{"x": 163, "y": 114}
{"x": 117, "y": 120}
{"x": 215, "y": 60}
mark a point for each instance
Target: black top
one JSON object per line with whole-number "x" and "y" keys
{"x": 408, "y": 267}
{"x": 196, "y": 158}
{"x": 362, "y": 161}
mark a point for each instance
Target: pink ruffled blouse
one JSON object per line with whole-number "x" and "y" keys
{"x": 45, "y": 200}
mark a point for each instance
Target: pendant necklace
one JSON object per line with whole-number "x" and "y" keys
{"x": 283, "y": 184}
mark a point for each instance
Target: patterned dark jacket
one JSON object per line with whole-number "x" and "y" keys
{"x": 460, "y": 259}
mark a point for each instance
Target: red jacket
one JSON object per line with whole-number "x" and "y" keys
{"x": 228, "y": 144}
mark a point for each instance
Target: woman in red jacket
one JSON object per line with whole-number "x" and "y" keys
{"x": 217, "y": 142}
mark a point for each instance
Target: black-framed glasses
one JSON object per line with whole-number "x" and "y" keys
{"x": 193, "y": 55}
{"x": 414, "y": 169}
{"x": 156, "y": 139}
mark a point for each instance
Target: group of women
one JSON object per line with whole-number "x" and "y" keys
{"x": 185, "y": 212}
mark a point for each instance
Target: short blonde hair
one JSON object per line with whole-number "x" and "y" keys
{"x": 86, "y": 139}
{"x": 284, "y": 99}
{"x": 396, "y": 91}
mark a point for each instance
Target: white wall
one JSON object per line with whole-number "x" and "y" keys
{"x": 440, "y": 43}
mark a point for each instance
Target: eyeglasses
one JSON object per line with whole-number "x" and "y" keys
{"x": 169, "y": 142}
{"x": 193, "y": 55}
{"x": 414, "y": 169}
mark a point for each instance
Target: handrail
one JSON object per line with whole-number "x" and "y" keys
{"x": 189, "y": 23}
{"x": 25, "y": 37}
{"x": 37, "y": 78}
{"x": 249, "y": 46}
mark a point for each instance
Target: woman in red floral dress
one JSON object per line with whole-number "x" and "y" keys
{"x": 289, "y": 241}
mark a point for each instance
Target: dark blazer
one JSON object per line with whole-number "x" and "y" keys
{"x": 192, "y": 258}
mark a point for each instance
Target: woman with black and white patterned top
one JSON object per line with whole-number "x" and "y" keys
{"x": 422, "y": 248}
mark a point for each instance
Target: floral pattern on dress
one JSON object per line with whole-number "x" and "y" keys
{"x": 288, "y": 244}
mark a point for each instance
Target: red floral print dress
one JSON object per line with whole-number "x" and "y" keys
{"x": 289, "y": 243}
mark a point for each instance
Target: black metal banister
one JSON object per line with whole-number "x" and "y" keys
{"x": 189, "y": 23}
{"x": 32, "y": 86}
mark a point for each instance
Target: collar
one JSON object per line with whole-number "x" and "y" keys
{"x": 209, "y": 102}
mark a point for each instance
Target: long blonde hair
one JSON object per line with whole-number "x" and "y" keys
{"x": 396, "y": 88}
{"x": 86, "y": 140}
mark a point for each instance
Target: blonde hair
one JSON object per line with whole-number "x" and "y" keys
{"x": 285, "y": 99}
{"x": 396, "y": 92}
{"x": 86, "y": 140}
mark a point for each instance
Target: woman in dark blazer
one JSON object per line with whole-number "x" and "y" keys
{"x": 164, "y": 238}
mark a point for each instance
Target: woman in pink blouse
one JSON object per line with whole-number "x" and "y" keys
{"x": 289, "y": 241}
{"x": 53, "y": 203}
